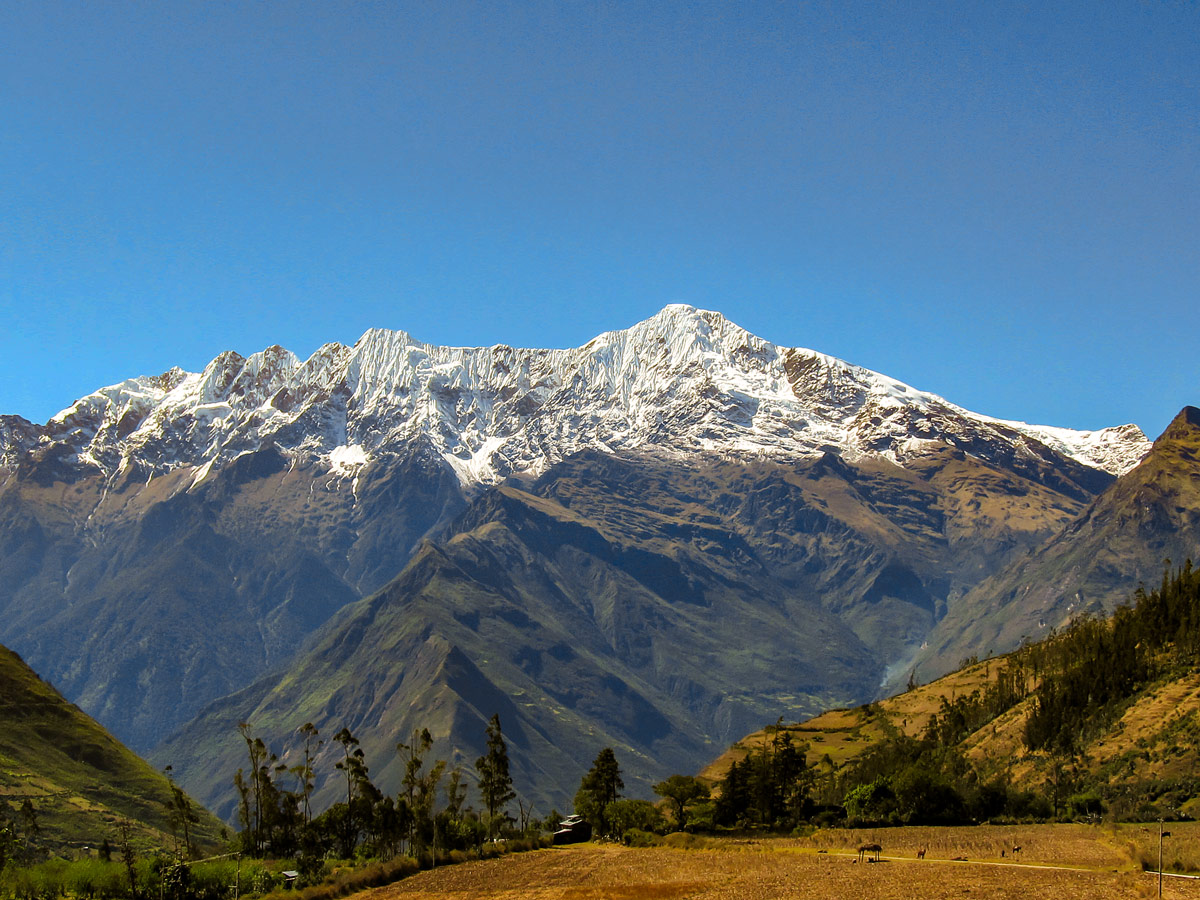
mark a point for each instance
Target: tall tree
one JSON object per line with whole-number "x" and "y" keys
{"x": 354, "y": 765}
{"x": 181, "y": 815}
{"x": 252, "y": 794}
{"x": 495, "y": 783}
{"x": 128, "y": 855}
{"x": 681, "y": 791}
{"x": 304, "y": 771}
{"x": 413, "y": 756}
{"x": 600, "y": 786}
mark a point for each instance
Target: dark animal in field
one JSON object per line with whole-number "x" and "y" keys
{"x": 1016, "y": 850}
{"x": 873, "y": 849}
{"x": 921, "y": 853}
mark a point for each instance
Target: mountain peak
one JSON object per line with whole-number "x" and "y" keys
{"x": 1185, "y": 425}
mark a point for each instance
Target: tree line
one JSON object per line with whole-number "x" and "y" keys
{"x": 429, "y": 814}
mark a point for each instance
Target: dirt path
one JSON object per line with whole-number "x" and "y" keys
{"x": 760, "y": 872}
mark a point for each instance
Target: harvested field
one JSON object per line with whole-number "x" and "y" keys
{"x": 775, "y": 869}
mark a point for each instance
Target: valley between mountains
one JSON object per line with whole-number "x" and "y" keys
{"x": 657, "y": 542}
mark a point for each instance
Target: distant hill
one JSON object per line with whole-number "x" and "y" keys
{"x": 79, "y": 778}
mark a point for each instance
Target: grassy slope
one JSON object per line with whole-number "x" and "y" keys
{"x": 843, "y": 734}
{"x": 1157, "y": 737}
{"x": 80, "y": 779}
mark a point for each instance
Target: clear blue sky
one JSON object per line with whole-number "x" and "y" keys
{"x": 998, "y": 202}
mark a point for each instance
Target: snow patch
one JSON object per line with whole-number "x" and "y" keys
{"x": 346, "y": 459}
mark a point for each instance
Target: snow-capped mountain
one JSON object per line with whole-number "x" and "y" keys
{"x": 169, "y": 540}
{"x": 684, "y": 380}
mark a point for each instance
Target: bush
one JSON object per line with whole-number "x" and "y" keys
{"x": 93, "y": 879}
{"x": 43, "y": 881}
{"x": 635, "y": 837}
{"x": 213, "y": 880}
{"x": 177, "y": 883}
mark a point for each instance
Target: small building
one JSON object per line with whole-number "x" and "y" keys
{"x": 572, "y": 830}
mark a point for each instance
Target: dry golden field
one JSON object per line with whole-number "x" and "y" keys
{"x": 1055, "y": 862}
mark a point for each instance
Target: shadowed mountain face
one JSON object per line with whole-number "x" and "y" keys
{"x": 658, "y": 608}
{"x": 1123, "y": 538}
{"x": 172, "y": 598}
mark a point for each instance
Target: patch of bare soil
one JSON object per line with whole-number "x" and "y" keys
{"x": 766, "y": 870}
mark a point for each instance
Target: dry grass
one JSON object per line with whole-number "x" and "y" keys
{"x": 786, "y": 870}
{"x": 844, "y": 734}
{"x": 1082, "y": 846}
{"x": 1181, "y": 851}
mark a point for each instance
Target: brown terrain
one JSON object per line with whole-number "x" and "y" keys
{"x": 1055, "y": 861}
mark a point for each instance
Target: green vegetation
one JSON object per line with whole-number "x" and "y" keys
{"x": 495, "y": 784}
{"x": 600, "y": 789}
{"x": 363, "y": 840}
{"x": 274, "y": 807}
{"x": 66, "y": 783}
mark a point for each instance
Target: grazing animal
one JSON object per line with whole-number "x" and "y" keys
{"x": 1016, "y": 850}
{"x": 921, "y": 853}
{"x": 873, "y": 849}
{"x": 822, "y": 851}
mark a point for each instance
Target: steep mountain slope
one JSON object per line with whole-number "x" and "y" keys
{"x": 79, "y": 778}
{"x": 1150, "y": 514}
{"x": 648, "y": 605}
{"x": 169, "y": 539}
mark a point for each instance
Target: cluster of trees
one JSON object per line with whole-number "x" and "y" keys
{"x": 771, "y": 788}
{"x": 275, "y": 801}
{"x": 1091, "y": 670}
{"x": 599, "y": 801}
{"x": 19, "y": 834}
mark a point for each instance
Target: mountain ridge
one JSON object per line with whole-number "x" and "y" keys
{"x": 1120, "y": 539}
{"x": 682, "y": 380}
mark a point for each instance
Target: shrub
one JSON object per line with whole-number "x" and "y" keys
{"x": 635, "y": 837}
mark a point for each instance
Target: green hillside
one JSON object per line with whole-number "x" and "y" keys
{"x": 79, "y": 779}
{"x": 1100, "y": 718}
